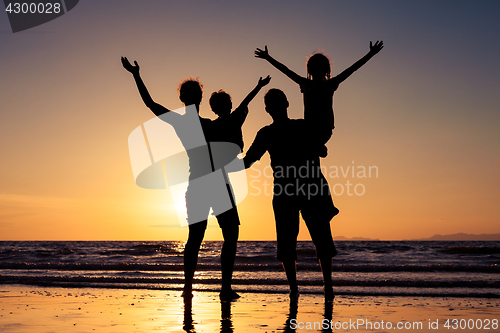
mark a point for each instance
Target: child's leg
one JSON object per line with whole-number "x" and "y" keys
{"x": 322, "y": 133}
{"x": 325, "y": 133}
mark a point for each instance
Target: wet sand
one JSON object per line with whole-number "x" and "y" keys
{"x": 49, "y": 309}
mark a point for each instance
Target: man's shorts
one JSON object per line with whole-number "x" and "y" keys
{"x": 317, "y": 211}
{"x": 210, "y": 193}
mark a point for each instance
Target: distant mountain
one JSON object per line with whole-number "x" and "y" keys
{"x": 437, "y": 237}
{"x": 462, "y": 237}
{"x": 342, "y": 238}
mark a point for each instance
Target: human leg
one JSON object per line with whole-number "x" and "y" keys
{"x": 317, "y": 214}
{"x": 325, "y": 249}
{"x": 290, "y": 268}
{"x": 197, "y": 209}
{"x": 195, "y": 238}
{"x": 321, "y": 236}
{"x": 323, "y": 134}
{"x": 326, "y": 268}
{"x": 286, "y": 214}
{"x": 229, "y": 223}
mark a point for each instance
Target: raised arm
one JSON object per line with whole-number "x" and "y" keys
{"x": 264, "y": 54}
{"x": 240, "y": 113}
{"x": 156, "y": 108}
{"x": 374, "y": 49}
{"x": 262, "y": 83}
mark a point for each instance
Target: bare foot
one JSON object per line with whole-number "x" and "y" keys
{"x": 187, "y": 293}
{"x": 228, "y": 295}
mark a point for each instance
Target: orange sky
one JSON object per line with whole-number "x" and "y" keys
{"x": 424, "y": 112}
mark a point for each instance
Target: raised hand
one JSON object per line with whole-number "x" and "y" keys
{"x": 264, "y": 54}
{"x": 129, "y": 67}
{"x": 374, "y": 49}
{"x": 264, "y": 82}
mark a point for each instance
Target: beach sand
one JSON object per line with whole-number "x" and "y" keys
{"x": 49, "y": 309}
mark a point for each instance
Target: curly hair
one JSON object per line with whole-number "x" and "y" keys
{"x": 219, "y": 99}
{"x": 190, "y": 91}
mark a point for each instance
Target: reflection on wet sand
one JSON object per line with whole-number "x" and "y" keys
{"x": 291, "y": 324}
{"x": 226, "y": 323}
{"x": 188, "y": 324}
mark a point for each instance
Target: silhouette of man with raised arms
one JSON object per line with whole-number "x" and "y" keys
{"x": 299, "y": 186}
{"x": 202, "y": 195}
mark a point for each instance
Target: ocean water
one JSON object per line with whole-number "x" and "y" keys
{"x": 393, "y": 268}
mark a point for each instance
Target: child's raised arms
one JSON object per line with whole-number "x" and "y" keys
{"x": 374, "y": 49}
{"x": 242, "y": 110}
{"x": 264, "y": 54}
{"x": 262, "y": 82}
{"x": 379, "y": 45}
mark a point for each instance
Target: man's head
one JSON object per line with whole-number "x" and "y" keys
{"x": 220, "y": 102}
{"x": 190, "y": 91}
{"x": 276, "y": 104}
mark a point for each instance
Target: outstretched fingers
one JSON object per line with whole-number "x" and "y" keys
{"x": 264, "y": 81}
{"x": 128, "y": 66}
{"x": 259, "y": 53}
{"x": 125, "y": 62}
{"x": 375, "y": 48}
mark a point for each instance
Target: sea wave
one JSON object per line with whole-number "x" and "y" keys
{"x": 360, "y": 268}
{"x": 250, "y": 267}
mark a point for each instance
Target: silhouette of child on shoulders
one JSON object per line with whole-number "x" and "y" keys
{"x": 318, "y": 88}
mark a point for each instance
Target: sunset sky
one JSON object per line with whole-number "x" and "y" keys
{"x": 425, "y": 112}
